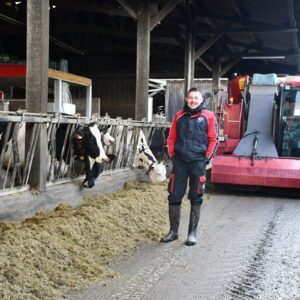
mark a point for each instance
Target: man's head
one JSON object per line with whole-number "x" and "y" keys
{"x": 193, "y": 98}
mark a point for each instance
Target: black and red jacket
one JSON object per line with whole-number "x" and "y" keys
{"x": 193, "y": 136}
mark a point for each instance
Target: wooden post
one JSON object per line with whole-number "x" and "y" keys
{"x": 37, "y": 61}
{"x": 189, "y": 62}
{"x": 143, "y": 59}
{"x": 216, "y": 71}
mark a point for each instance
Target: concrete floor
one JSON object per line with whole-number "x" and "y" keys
{"x": 248, "y": 248}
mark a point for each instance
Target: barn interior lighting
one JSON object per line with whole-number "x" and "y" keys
{"x": 263, "y": 57}
{"x": 53, "y": 6}
{"x": 18, "y": 2}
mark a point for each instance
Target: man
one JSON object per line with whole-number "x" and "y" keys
{"x": 192, "y": 143}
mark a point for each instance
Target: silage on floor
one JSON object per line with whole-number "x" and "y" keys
{"x": 72, "y": 247}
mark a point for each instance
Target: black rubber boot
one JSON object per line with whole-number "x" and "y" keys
{"x": 174, "y": 216}
{"x": 194, "y": 220}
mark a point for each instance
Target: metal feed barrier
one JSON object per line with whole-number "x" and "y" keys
{"x": 17, "y": 146}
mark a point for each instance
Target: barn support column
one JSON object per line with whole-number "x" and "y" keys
{"x": 37, "y": 61}
{"x": 189, "y": 63}
{"x": 216, "y": 71}
{"x": 216, "y": 74}
{"x": 143, "y": 59}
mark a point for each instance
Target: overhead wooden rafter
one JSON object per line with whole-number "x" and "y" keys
{"x": 52, "y": 39}
{"x": 109, "y": 27}
{"x": 206, "y": 45}
{"x": 166, "y": 9}
{"x": 268, "y": 29}
{"x": 258, "y": 42}
{"x": 92, "y": 8}
{"x": 128, "y": 9}
{"x": 293, "y": 23}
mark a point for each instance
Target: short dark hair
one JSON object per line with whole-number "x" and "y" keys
{"x": 194, "y": 89}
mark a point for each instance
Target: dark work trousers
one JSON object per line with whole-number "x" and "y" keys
{"x": 182, "y": 172}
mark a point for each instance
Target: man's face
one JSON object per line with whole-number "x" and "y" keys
{"x": 193, "y": 100}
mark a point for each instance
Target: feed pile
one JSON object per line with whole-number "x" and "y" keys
{"x": 69, "y": 247}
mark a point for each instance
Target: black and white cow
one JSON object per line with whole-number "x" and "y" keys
{"x": 12, "y": 147}
{"x": 145, "y": 158}
{"x": 19, "y": 129}
{"x": 88, "y": 146}
{"x": 158, "y": 143}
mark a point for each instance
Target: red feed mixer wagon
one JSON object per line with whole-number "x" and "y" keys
{"x": 259, "y": 133}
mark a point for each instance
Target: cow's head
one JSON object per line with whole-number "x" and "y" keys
{"x": 145, "y": 158}
{"x": 107, "y": 139}
{"x": 157, "y": 172}
{"x": 87, "y": 142}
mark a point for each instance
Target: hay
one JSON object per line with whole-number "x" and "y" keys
{"x": 72, "y": 247}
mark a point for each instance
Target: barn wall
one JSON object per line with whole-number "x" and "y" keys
{"x": 175, "y": 94}
{"x": 117, "y": 97}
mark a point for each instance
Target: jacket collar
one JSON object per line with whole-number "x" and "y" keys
{"x": 195, "y": 111}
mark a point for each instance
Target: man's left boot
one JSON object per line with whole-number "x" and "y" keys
{"x": 194, "y": 220}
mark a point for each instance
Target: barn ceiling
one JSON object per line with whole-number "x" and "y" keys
{"x": 98, "y": 37}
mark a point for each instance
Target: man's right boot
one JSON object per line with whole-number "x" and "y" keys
{"x": 174, "y": 216}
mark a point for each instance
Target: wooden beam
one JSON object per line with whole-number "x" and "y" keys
{"x": 265, "y": 53}
{"x": 234, "y": 62}
{"x": 128, "y": 9}
{"x": 55, "y": 41}
{"x": 143, "y": 59}
{"x": 245, "y": 15}
{"x": 216, "y": 68}
{"x": 55, "y": 74}
{"x": 189, "y": 63}
{"x": 236, "y": 8}
{"x": 229, "y": 66}
{"x": 206, "y": 45}
{"x": 91, "y": 8}
{"x": 235, "y": 19}
{"x": 70, "y": 27}
{"x": 268, "y": 29}
{"x": 292, "y": 20}
{"x": 167, "y": 8}
{"x": 206, "y": 64}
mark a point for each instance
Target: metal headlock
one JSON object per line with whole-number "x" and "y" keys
{"x": 15, "y": 167}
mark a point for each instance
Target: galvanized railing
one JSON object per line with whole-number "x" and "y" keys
{"x": 16, "y": 155}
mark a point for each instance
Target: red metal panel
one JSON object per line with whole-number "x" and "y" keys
{"x": 232, "y": 121}
{"x": 12, "y": 70}
{"x": 228, "y": 146}
{"x": 275, "y": 172}
{"x": 236, "y": 85}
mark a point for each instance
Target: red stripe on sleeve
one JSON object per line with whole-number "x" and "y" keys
{"x": 212, "y": 136}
